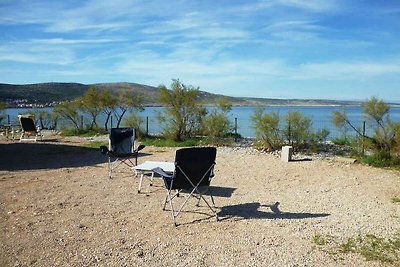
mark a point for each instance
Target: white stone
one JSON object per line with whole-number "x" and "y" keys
{"x": 286, "y": 154}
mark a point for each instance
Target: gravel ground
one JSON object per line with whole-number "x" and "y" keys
{"x": 58, "y": 208}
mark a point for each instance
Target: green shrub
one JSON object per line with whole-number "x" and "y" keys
{"x": 266, "y": 126}
{"x": 135, "y": 121}
{"x": 381, "y": 159}
{"x": 2, "y": 111}
{"x": 216, "y": 125}
{"x": 296, "y": 131}
{"x": 182, "y": 116}
{"x": 385, "y": 141}
{"x": 342, "y": 140}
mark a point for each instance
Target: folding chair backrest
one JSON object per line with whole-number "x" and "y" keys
{"x": 193, "y": 163}
{"x": 122, "y": 140}
{"x": 27, "y": 123}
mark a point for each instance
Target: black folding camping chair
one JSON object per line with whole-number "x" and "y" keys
{"x": 194, "y": 168}
{"x": 121, "y": 148}
{"x": 29, "y": 128}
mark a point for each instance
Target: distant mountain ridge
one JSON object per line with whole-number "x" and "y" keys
{"x": 49, "y": 93}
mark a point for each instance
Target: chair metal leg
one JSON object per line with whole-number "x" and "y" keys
{"x": 165, "y": 202}
{"x": 198, "y": 202}
{"x": 172, "y": 209}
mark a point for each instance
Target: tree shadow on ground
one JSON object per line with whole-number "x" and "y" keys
{"x": 37, "y": 156}
{"x": 254, "y": 211}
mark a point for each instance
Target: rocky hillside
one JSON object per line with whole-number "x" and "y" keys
{"x": 46, "y": 94}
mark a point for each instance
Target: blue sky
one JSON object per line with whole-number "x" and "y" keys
{"x": 318, "y": 49}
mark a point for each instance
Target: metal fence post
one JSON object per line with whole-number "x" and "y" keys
{"x": 8, "y": 119}
{"x": 111, "y": 122}
{"x": 147, "y": 125}
{"x": 235, "y": 129}
{"x": 82, "y": 121}
{"x": 363, "y": 139}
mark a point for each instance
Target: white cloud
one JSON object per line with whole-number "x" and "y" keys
{"x": 294, "y": 24}
{"x": 346, "y": 70}
{"x": 36, "y": 53}
{"x": 251, "y": 44}
{"x": 62, "y": 41}
{"x": 310, "y": 5}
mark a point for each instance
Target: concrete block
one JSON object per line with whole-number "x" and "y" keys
{"x": 287, "y": 152}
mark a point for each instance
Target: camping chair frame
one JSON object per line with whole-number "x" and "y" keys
{"x": 194, "y": 191}
{"x": 28, "y": 128}
{"x": 116, "y": 158}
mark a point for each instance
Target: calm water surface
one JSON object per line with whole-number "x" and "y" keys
{"x": 321, "y": 117}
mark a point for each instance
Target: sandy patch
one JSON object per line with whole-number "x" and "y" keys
{"x": 58, "y": 208}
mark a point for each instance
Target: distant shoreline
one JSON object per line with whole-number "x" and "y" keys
{"x": 48, "y": 94}
{"x": 234, "y": 105}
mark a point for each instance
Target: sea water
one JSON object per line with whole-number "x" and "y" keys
{"x": 321, "y": 117}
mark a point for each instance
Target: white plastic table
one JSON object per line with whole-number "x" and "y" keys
{"x": 147, "y": 167}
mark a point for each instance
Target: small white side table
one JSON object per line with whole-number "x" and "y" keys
{"x": 147, "y": 167}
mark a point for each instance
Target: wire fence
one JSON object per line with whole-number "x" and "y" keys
{"x": 245, "y": 128}
{"x": 151, "y": 126}
{"x": 242, "y": 125}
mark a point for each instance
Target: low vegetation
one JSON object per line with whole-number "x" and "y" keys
{"x": 167, "y": 142}
{"x": 82, "y": 132}
{"x": 216, "y": 125}
{"x": 184, "y": 121}
{"x": 95, "y": 144}
{"x": 371, "y": 247}
{"x": 382, "y": 148}
{"x": 181, "y": 118}
{"x": 2, "y": 114}
{"x": 295, "y": 130}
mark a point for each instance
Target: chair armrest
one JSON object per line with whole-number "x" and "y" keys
{"x": 140, "y": 147}
{"x": 161, "y": 172}
{"x": 104, "y": 150}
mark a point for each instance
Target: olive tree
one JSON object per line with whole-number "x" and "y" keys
{"x": 182, "y": 116}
